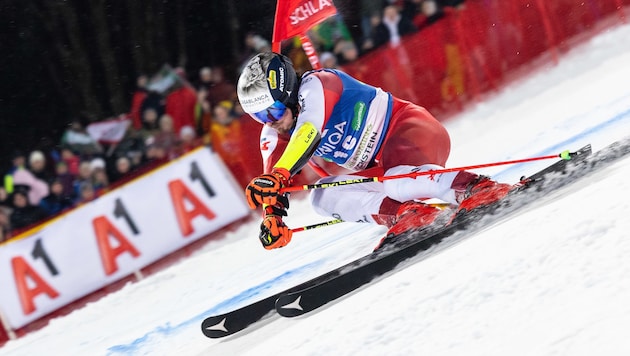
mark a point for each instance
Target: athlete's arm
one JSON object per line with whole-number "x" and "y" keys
{"x": 316, "y": 104}
{"x": 300, "y": 148}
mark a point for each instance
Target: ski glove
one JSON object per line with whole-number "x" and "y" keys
{"x": 264, "y": 189}
{"x": 273, "y": 231}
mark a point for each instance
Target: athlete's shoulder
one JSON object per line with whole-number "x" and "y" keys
{"x": 329, "y": 79}
{"x": 321, "y": 73}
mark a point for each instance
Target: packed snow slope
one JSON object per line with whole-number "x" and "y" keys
{"x": 553, "y": 280}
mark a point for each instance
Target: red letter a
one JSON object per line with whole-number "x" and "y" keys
{"x": 179, "y": 192}
{"x": 104, "y": 229}
{"x": 21, "y": 271}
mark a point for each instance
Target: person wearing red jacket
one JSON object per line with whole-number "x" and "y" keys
{"x": 181, "y": 106}
{"x": 137, "y": 99}
{"x": 330, "y": 115}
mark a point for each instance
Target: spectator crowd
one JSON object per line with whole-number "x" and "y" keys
{"x": 171, "y": 114}
{"x": 381, "y": 23}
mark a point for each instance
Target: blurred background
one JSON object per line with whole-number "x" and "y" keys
{"x": 95, "y": 93}
{"x": 75, "y": 59}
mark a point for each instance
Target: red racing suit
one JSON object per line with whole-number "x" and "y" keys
{"x": 358, "y": 127}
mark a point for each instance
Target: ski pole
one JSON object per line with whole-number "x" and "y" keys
{"x": 565, "y": 155}
{"x": 316, "y": 226}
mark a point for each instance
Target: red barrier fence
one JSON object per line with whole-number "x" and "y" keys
{"x": 474, "y": 50}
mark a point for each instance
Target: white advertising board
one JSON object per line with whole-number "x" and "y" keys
{"x": 116, "y": 235}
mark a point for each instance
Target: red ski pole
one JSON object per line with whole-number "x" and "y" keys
{"x": 565, "y": 155}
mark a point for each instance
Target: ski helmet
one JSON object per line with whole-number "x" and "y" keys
{"x": 267, "y": 80}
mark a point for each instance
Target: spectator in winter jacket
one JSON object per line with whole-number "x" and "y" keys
{"x": 226, "y": 137}
{"x": 71, "y": 160}
{"x": 55, "y": 202}
{"x": 187, "y": 140}
{"x": 137, "y": 99}
{"x": 166, "y": 138}
{"x": 85, "y": 176}
{"x": 150, "y": 124}
{"x": 65, "y": 179}
{"x": 225, "y": 133}
{"x": 122, "y": 168}
{"x": 181, "y": 106}
{"x": 24, "y": 213}
{"x": 392, "y": 27}
{"x": 18, "y": 162}
{"x": 37, "y": 166}
{"x": 100, "y": 180}
{"x": 87, "y": 193}
{"x": 37, "y": 188}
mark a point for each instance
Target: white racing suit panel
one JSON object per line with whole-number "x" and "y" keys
{"x": 359, "y": 202}
{"x": 420, "y": 187}
{"x": 354, "y": 202}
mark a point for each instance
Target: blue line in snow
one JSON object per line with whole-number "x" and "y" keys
{"x": 167, "y": 329}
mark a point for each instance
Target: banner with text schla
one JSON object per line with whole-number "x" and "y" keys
{"x": 116, "y": 235}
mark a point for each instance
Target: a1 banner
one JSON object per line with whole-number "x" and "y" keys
{"x": 116, "y": 235}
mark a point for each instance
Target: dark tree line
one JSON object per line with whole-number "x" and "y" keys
{"x": 70, "y": 59}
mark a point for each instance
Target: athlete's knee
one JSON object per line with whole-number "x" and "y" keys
{"x": 393, "y": 186}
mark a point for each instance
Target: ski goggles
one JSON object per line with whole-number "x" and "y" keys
{"x": 271, "y": 114}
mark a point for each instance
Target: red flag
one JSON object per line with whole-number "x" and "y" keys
{"x": 295, "y": 17}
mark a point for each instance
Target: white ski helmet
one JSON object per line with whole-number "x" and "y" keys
{"x": 268, "y": 78}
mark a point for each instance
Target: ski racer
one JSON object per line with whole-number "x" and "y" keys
{"x": 328, "y": 114}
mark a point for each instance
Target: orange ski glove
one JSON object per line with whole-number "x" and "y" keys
{"x": 265, "y": 188}
{"x": 273, "y": 231}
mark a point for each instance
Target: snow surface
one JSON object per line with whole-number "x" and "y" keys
{"x": 554, "y": 280}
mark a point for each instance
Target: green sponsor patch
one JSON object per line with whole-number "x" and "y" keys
{"x": 359, "y": 113}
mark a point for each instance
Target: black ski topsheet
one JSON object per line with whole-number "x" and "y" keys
{"x": 319, "y": 291}
{"x": 350, "y": 277}
{"x": 222, "y": 325}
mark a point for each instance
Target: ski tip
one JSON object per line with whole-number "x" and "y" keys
{"x": 214, "y": 327}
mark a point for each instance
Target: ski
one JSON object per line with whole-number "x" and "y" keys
{"x": 222, "y": 325}
{"x": 323, "y": 289}
{"x": 346, "y": 279}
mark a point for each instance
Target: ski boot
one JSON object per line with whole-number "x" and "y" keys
{"x": 411, "y": 216}
{"x": 481, "y": 192}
